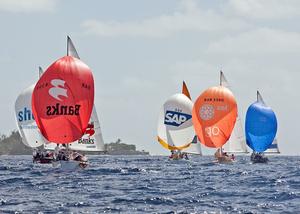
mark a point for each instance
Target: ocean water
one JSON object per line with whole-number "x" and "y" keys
{"x": 151, "y": 184}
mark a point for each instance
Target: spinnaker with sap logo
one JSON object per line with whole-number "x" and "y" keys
{"x": 62, "y": 100}
{"x": 175, "y": 129}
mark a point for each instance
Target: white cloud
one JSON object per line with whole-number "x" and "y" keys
{"x": 189, "y": 17}
{"x": 265, "y": 9}
{"x": 259, "y": 41}
{"x": 26, "y": 6}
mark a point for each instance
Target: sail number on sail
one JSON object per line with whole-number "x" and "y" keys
{"x": 212, "y": 131}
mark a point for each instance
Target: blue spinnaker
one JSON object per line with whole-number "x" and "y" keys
{"x": 261, "y": 127}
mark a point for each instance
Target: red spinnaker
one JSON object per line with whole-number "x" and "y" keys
{"x": 62, "y": 100}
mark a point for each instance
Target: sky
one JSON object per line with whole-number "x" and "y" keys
{"x": 141, "y": 51}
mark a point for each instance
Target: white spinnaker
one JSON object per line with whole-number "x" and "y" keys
{"x": 237, "y": 140}
{"x": 27, "y": 127}
{"x": 87, "y": 142}
{"x": 274, "y": 146}
{"x": 179, "y": 131}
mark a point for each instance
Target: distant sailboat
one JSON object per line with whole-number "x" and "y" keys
{"x": 214, "y": 117}
{"x": 261, "y": 128}
{"x": 175, "y": 130}
{"x": 237, "y": 141}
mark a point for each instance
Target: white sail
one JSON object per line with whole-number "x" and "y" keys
{"x": 71, "y": 50}
{"x": 175, "y": 128}
{"x": 274, "y": 146}
{"x": 194, "y": 148}
{"x": 236, "y": 142}
{"x": 27, "y": 127}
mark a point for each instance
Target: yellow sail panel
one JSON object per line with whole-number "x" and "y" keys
{"x": 167, "y": 146}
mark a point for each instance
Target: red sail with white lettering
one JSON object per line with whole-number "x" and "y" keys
{"x": 62, "y": 100}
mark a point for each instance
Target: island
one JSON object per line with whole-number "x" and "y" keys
{"x": 12, "y": 145}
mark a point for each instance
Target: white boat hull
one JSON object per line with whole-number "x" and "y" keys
{"x": 70, "y": 165}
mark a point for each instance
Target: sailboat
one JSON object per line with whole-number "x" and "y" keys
{"x": 92, "y": 140}
{"x": 175, "y": 130}
{"x": 237, "y": 141}
{"x": 214, "y": 115}
{"x": 62, "y": 103}
{"x": 261, "y": 128}
{"x": 27, "y": 127}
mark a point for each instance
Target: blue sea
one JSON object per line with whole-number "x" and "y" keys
{"x": 151, "y": 184}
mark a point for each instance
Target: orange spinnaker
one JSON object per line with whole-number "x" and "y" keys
{"x": 214, "y": 115}
{"x": 185, "y": 90}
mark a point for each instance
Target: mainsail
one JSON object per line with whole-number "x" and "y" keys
{"x": 261, "y": 125}
{"x": 214, "y": 116}
{"x": 273, "y": 148}
{"x": 236, "y": 142}
{"x": 194, "y": 148}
